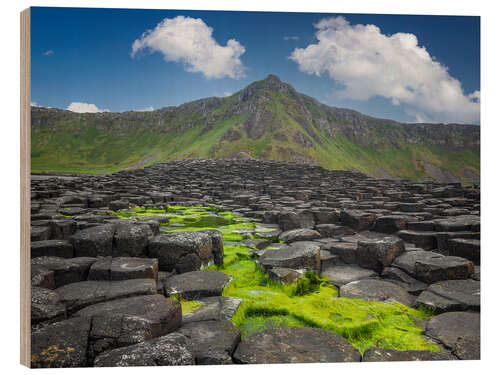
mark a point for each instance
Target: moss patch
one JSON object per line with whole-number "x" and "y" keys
{"x": 311, "y": 302}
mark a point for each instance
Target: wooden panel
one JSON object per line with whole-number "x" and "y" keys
{"x": 25, "y": 188}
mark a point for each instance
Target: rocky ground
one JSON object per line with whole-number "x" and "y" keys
{"x": 118, "y": 285}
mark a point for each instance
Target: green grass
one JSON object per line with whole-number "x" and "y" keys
{"x": 310, "y": 302}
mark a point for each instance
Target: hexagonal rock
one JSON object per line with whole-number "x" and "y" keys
{"x": 213, "y": 308}
{"x": 130, "y": 240}
{"x": 457, "y": 331}
{"x": 390, "y": 223}
{"x": 424, "y": 240}
{"x": 173, "y": 349}
{"x": 301, "y": 234}
{"x": 438, "y": 304}
{"x": 79, "y": 295}
{"x": 66, "y": 271}
{"x": 131, "y": 320}
{"x": 292, "y": 220}
{"x": 333, "y": 230}
{"x": 170, "y": 249}
{"x": 344, "y": 274}
{"x": 401, "y": 278}
{"x": 452, "y": 295}
{"x": 55, "y": 248}
{"x": 357, "y": 219}
{"x": 166, "y": 312}
{"x": 300, "y": 255}
{"x": 213, "y": 341}
{"x": 197, "y": 284}
{"x": 295, "y": 345}
{"x": 217, "y": 245}
{"x": 124, "y": 268}
{"x": 39, "y": 233}
{"x": 42, "y": 277}
{"x": 283, "y": 275}
{"x": 466, "y": 248}
{"x": 347, "y": 251}
{"x": 377, "y": 290}
{"x": 387, "y": 355}
{"x": 62, "y": 229}
{"x": 61, "y": 344}
{"x": 458, "y": 223}
{"x": 407, "y": 260}
{"x": 45, "y": 305}
{"x": 376, "y": 254}
{"x": 445, "y": 268}
{"x": 94, "y": 241}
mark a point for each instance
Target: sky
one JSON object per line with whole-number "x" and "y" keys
{"x": 403, "y": 67}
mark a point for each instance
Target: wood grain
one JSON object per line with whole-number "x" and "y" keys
{"x": 25, "y": 188}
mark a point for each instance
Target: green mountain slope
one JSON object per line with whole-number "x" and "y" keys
{"x": 268, "y": 119}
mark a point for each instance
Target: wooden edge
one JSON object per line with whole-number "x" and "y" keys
{"x": 25, "y": 148}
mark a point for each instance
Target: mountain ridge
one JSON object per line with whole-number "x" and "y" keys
{"x": 267, "y": 119}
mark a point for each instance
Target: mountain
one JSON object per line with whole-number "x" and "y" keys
{"x": 268, "y": 119}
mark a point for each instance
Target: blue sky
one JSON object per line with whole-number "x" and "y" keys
{"x": 407, "y": 68}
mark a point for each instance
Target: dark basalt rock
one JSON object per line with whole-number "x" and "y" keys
{"x": 46, "y": 305}
{"x": 357, "y": 220}
{"x": 217, "y": 245}
{"x": 452, "y": 295}
{"x": 383, "y": 355}
{"x": 457, "y": 331}
{"x": 376, "y": 254}
{"x": 344, "y": 274}
{"x": 152, "y": 308}
{"x": 61, "y": 344}
{"x": 346, "y": 251}
{"x": 95, "y": 241}
{"x": 295, "y": 345}
{"x": 377, "y": 290}
{"x": 84, "y": 293}
{"x": 55, "y": 248}
{"x": 407, "y": 260}
{"x": 124, "y": 268}
{"x": 173, "y": 349}
{"x": 213, "y": 342}
{"x": 445, "y": 268}
{"x": 283, "y": 275}
{"x": 66, "y": 271}
{"x": 169, "y": 249}
{"x": 130, "y": 240}
{"x": 301, "y": 255}
{"x": 302, "y": 234}
{"x": 213, "y": 308}
{"x": 466, "y": 248}
{"x": 197, "y": 284}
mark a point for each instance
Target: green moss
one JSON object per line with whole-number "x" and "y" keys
{"x": 310, "y": 302}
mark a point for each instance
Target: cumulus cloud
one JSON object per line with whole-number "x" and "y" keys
{"x": 293, "y": 37}
{"x": 48, "y": 52}
{"x": 189, "y": 41}
{"x": 85, "y": 108}
{"x": 227, "y": 93}
{"x": 34, "y": 104}
{"x": 147, "y": 109}
{"x": 368, "y": 63}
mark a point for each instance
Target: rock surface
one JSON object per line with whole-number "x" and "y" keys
{"x": 295, "y": 345}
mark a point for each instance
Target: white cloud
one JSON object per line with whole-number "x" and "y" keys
{"x": 147, "y": 109}
{"x": 368, "y": 63}
{"x": 293, "y": 37}
{"x": 85, "y": 108}
{"x": 34, "y": 104}
{"x": 189, "y": 40}
{"x": 227, "y": 93}
{"x": 48, "y": 52}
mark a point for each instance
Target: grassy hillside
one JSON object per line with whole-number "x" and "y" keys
{"x": 267, "y": 120}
